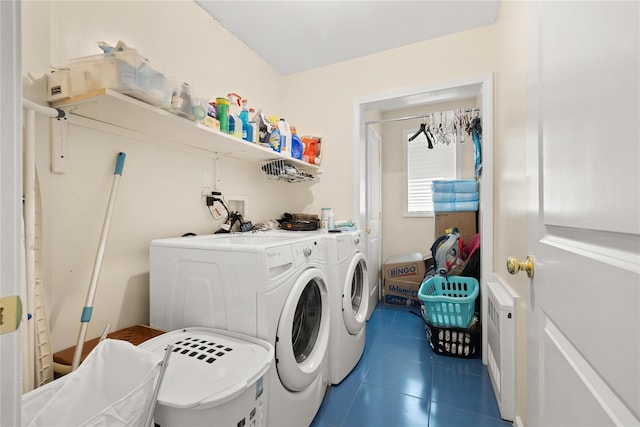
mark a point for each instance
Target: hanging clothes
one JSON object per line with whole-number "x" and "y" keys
{"x": 476, "y": 134}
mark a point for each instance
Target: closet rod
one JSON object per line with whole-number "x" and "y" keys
{"x": 422, "y": 116}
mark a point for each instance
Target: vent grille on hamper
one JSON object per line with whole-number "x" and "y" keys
{"x": 201, "y": 349}
{"x": 501, "y": 347}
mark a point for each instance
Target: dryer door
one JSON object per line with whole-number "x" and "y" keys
{"x": 355, "y": 294}
{"x": 303, "y": 331}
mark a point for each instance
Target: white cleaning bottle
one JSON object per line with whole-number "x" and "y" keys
{"x": 285, "y": 137}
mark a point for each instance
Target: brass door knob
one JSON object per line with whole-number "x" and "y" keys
{"x": 514, "y": 265}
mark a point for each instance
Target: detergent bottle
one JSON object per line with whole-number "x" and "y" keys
{"x": 274, "y": 139}
{"x": 285, "y": 137}
{"x": 311, "y": 149}
{"x": 274, "y": 134}
{"x": 244, "y": 117}
{"x": 297, "y": 147}
{"x": 253, "y": 127}
{"x": 235, "y": 123}
{"x": 222, "y": 113}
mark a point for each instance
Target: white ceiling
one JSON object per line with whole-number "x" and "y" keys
{"x": 300, "y": 35}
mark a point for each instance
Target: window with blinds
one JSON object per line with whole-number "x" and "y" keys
{"x": 422, "y": 167}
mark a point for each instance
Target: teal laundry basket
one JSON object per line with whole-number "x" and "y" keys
{"x": 449, "y": 301}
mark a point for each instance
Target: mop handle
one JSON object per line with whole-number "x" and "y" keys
{"x": 88, "y": 309}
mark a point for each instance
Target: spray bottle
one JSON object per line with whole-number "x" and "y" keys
{"x": 235, "y": 123}
{"x": 244, "y": 117}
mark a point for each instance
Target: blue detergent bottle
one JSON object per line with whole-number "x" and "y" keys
{"x": 232, "y": 124}
{"x": 247, "y": 131}
{"x": 297, "y": 147}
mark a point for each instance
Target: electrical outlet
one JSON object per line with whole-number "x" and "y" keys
{"x": 204, "y": 193}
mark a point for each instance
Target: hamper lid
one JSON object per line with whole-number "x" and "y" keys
{"x": 209, "y": 367}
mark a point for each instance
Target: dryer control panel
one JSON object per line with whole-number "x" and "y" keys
{"x": 309, "y": 250}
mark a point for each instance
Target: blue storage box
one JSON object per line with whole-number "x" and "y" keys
{"x": 455, "y": 206}
{"x": 455, "y": 186}
{"x": 439, "y": 197}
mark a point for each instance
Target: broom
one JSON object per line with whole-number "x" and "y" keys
{"x": 88, "y": 308}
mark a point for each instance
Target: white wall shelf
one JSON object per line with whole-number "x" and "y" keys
{"x": 120, "y": 110}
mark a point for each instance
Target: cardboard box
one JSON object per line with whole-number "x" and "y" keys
{"x": 409, "y": 268}
{"x": 465, "y": 221}
{"x": 400, "y": 301}
{"x": 401, "y": 287}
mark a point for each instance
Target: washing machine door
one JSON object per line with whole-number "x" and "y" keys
{"x": 355, "y": 294}
{"x": 303, "y": 331}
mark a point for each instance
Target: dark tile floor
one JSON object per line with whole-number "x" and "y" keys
{"x": 401, "y": 382}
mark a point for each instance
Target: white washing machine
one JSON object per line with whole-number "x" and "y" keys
{"x": 273, "y": 287}
{"x": 349, "y": 292}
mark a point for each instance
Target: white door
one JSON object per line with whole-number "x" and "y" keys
{"x": 583, "y": 155}
{"x": 373, "y": 153}
{"x": 10, "y": 209}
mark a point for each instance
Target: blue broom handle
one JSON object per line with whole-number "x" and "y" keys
{"x": 120, "y": 164}
{"x": 87, "y": 311}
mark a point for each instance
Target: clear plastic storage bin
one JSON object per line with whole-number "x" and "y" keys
{"x": 188, "y": 103}
{"x": 124, "y": 71}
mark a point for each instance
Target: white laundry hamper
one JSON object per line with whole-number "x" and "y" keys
{"x": 214, "y": 378}
{"x": 114, "y": 386}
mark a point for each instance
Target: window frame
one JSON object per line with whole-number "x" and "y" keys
{"x": 457, "y": 153}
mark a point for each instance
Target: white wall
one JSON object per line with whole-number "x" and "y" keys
{"x": 510, "y": 206}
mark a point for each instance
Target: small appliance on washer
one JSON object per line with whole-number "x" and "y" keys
{"x": 272, "y": 287}
{"x": 349, "y": 283}
{"x": 213, "y": 378}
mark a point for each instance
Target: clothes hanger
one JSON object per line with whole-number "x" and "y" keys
{"x": 423, "y": 129}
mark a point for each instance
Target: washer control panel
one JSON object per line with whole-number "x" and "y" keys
{"x": 309, "y": 250}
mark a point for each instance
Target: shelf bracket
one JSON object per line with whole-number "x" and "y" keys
{"x": 58, "y": 144}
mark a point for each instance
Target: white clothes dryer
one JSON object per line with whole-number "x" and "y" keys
{"x": 272, "y": 287}
{"x": 349, "y": 292}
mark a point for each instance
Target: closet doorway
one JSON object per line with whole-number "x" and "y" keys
{"x": 480, "y": 88}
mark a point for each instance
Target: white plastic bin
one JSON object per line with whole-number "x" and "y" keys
{"x": 215, "y": 378}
